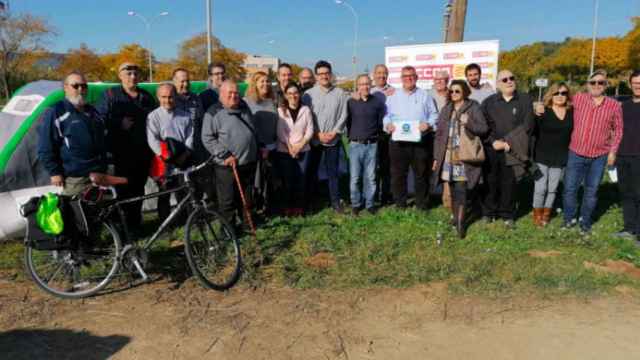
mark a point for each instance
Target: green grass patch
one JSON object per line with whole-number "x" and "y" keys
{"x": 402, "y": 248}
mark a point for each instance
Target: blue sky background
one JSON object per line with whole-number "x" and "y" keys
{"x": 303, "y": 31}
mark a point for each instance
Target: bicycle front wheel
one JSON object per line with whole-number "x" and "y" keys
{"x": 212, "y": 250}
{"x": 79, "y": 272}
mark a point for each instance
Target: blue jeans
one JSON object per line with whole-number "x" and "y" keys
{"x": 362, "y": 166}
{"x": 331, "y": 168}
{"x": 581, "y": 170}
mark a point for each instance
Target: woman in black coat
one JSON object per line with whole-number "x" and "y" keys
{"x": 460, "y": 114}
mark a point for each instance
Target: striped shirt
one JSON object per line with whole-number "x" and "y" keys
{"x": 597, "y": 129}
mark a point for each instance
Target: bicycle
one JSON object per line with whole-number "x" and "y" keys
{"x": 92, "y": 261}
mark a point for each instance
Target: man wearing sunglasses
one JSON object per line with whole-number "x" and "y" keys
{"x": 597, "y": 131}
{"x": 124, "y": 110}
{"x": 509, "y": 115}
{"x": 217, "y": 75}
{"x": 71, "y": 138}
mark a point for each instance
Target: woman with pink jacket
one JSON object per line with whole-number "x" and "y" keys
{"x": 295, "y": 129}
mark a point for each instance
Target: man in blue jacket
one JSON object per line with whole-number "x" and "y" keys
{"x": 71, "y": 138}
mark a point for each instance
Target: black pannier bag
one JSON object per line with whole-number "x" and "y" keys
{"x": 74, "y": 225}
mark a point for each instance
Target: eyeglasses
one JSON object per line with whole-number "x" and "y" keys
{"x": 455, "y": 91}
{"x": 132, "y": 73}
{"x": 77, "y": 86}
{"x": 561, "y": 93}
{"x": 598, "y": 82}
{"x": 323, "y": 73}
{"x": 409, "y": 76}
{"x": 507, "y": 79}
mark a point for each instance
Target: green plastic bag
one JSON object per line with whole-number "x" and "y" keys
{"x": 49, "y": 216}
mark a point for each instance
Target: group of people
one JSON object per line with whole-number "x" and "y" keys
{"x": 463, "y": 137}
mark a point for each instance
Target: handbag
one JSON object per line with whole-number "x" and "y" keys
{"x": 471, "y": 149}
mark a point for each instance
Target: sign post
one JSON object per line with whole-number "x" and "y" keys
{"x": 541, "y": 83}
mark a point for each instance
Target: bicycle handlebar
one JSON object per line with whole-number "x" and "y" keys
{"x": 193, "y": 168}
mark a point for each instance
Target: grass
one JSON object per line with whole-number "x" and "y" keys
{"x": 401, "y": 248}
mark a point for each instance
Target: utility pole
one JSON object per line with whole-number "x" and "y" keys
{"x": 455, "y": 31}
{"x": 209, "y": 30}
{"x": 447, "y": 18}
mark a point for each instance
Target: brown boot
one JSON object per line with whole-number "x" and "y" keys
{"x": 546, "y": 216}
{"x": 537, "y": 216}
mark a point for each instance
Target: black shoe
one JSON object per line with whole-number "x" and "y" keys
{"x": 355, "y": 211}
{"x": 373, "y": 210}
{"x": 488, "y": 219}
{"x": 624, "y": 234}
{"x": 566, "y": 225}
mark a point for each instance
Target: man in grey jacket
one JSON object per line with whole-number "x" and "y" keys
{"x": 228, "y": 133}
{"x": 329, "y": 106}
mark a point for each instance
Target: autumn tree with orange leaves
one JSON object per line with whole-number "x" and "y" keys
{"x": 22, "y": 39}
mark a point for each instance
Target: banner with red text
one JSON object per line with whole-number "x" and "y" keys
{"x": 449, "y": 57}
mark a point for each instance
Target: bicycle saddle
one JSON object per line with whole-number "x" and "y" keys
{"x": 107, "y": 180}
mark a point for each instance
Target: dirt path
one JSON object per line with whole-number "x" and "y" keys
{"x": 157, "y": 321}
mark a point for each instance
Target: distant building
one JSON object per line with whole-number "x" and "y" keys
{"x": 255, "y": 63}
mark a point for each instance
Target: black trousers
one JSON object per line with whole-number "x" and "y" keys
{"x": 135, "y": 187}
{"x": 500, "y": 186}
{"x": 629, "y": 186}
{"x": 229, "y": 200}
{"x": 418, "y": 156}
{"x": 164, "y": 201}
{"x": 383, "y": 192}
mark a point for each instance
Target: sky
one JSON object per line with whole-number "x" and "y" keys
{"x": 304, "y": 31}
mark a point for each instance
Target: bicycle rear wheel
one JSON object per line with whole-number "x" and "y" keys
{"x": 212, "y": 250}
{"x": 80, "y": 272}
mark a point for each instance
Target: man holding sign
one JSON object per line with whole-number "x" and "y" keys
{"x": 411, "y": 118}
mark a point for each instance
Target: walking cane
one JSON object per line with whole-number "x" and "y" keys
{"x": 247, "y": 212}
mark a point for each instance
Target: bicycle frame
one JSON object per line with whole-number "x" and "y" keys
{"x": 191, "y": 196}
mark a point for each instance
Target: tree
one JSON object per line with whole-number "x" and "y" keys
{"x": 85, "y": 60}
{"x": 633, "y": 37}
{"x": 133, "y": 53}
{"x": 192, "y": 55}
{"x": 526, "y": 62}
{"x": 163, "y": 71}
{"x": 21, "y": 38}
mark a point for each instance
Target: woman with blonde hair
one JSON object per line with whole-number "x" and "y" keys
{"x": 260, "y": 100}
{"x": 552, "y": 133}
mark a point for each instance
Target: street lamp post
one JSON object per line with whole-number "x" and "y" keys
{"x": 355, "y": 37}
{"x": 593, "y": 40}
{"x": 209, "y": 31}
{"x": 147, "y": 24}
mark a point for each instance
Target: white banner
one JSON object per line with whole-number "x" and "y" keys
{"x": 449, "y": 57}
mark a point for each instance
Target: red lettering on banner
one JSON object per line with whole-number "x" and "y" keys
{"x": 425, "y": 57}
{"x": 396, "y": 59}
{"x": 484, "y": 53}
{"x": 427, "y": 72}
{"x": 449, "y": 56}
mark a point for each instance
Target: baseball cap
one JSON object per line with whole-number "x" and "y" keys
{"x": 128, "y": 66}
